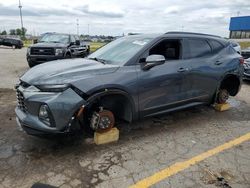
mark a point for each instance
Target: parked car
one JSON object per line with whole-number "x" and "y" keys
{"x": 53, "y": 46}
{"x": 16, "y": 43}
{"x": 236, "y": 46}
{"x": 131, "y": 78}
{"x": 247, "y": 69}
{"x": 246, "y": 53}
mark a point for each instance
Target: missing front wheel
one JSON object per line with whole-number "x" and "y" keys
{"x": 102, "y": 120}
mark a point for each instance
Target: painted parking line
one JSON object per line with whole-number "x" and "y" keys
{"x": 180, "y": 166}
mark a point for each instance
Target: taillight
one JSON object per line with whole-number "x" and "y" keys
{"x": 242, "y": 60}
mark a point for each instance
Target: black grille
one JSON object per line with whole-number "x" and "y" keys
{"x": 42, "y": 51}
{"x": 20, "y": 100}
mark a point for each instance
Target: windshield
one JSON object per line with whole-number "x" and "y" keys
{"x": 120, "y": 50}
{"x": 56, "y": 38}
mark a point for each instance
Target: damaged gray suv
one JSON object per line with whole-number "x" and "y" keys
{"x": 131, "y": 78}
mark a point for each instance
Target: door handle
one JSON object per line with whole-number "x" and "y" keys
{"x": 183, "y": 69}
{"x": 218, "y": 62}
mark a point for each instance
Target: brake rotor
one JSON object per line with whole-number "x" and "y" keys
{"x": 223, "y": 96}
{"x": 102, "y": 121}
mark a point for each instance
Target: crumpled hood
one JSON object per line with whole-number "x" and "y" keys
{"x": 66, "y": 71}
{"x": 47, "y": 44}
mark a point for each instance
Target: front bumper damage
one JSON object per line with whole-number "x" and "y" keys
{"x": 62, "y": 106}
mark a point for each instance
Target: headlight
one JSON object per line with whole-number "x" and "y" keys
{"x": 28, "y": 50}
{"x": 44, "y": 114}
{"x": 59, "y": 51}
{"x": 53, "y": 87}
{"x": 32, "y": 89}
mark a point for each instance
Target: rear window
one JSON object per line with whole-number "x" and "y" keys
{"x": 216, "y": 45}
{"x": 196, "y": 48}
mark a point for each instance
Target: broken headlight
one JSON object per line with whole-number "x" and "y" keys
{"x": 59, "y": 51}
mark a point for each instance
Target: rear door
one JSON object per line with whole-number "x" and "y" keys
{"x": 204, "y": 72}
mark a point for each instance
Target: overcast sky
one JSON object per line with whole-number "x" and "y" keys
{"x": 114, "y": 17}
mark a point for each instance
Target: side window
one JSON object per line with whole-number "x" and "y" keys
{"x": 170, "y": 49}
{"x": 196, "y": 48}
{"x": 217, "y": 46}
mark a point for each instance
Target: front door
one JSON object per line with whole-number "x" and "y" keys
{"x": 162, "y": 87}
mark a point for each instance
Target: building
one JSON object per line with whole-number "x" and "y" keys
{"x": 240, "y": 27}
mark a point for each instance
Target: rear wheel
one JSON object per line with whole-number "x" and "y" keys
{"x": 68, "y": 56}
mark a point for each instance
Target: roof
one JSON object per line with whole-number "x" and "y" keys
{"x": 239, "y": 23}
{"x": 190, "y": 34}
{"x": 175, "y": 34}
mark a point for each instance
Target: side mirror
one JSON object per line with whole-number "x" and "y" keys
{"x": 77, "y": 42}
{"x": 153, "y": 60}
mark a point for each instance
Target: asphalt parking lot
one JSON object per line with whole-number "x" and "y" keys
{"x": 143, "y": 154}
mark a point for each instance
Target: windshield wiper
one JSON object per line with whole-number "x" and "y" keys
{"x": 103, "y": 61}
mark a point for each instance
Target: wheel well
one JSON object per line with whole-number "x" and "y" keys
{"x": 119, "y": 104}
{"x": 67, "y": 53}
{"x": 231, "y": 83}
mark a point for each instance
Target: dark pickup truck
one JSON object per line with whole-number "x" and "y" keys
{"x": 53, "y": 46}
{"x": 12, "y": 42}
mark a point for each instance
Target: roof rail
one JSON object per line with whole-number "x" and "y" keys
{"x": 190, "y": 33}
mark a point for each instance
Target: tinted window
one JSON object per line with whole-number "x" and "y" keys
{"x": 218, "y": 46}
{"x": 55, "y": 38}
{"x": 8, "y": 40}
{"x": 196, "y": 48}
{"x": 170, "y": 49}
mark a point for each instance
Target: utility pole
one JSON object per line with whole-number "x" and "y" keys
{"x": 21, "y": 16}
{"x": 238, "y": 13}
{"x": 77, "y": 26}
{"x": 88, "y": 29}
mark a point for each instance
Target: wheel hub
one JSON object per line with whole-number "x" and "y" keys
{"x": 102, "y": 121}
{"x": 223, "y": 96}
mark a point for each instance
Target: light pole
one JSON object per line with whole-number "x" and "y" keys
{"x": 88, "y": 29}
{"x": 21, "y": 16}
{"x": 77, "y": 26}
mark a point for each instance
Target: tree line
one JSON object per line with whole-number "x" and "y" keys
{"x": 18, "y": 31}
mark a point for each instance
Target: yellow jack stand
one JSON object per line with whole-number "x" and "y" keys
{"x": 222, "y": 107}
{"x": 107, "y": 137}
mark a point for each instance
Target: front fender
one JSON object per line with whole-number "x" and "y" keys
{"x": 113, "y": 91}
